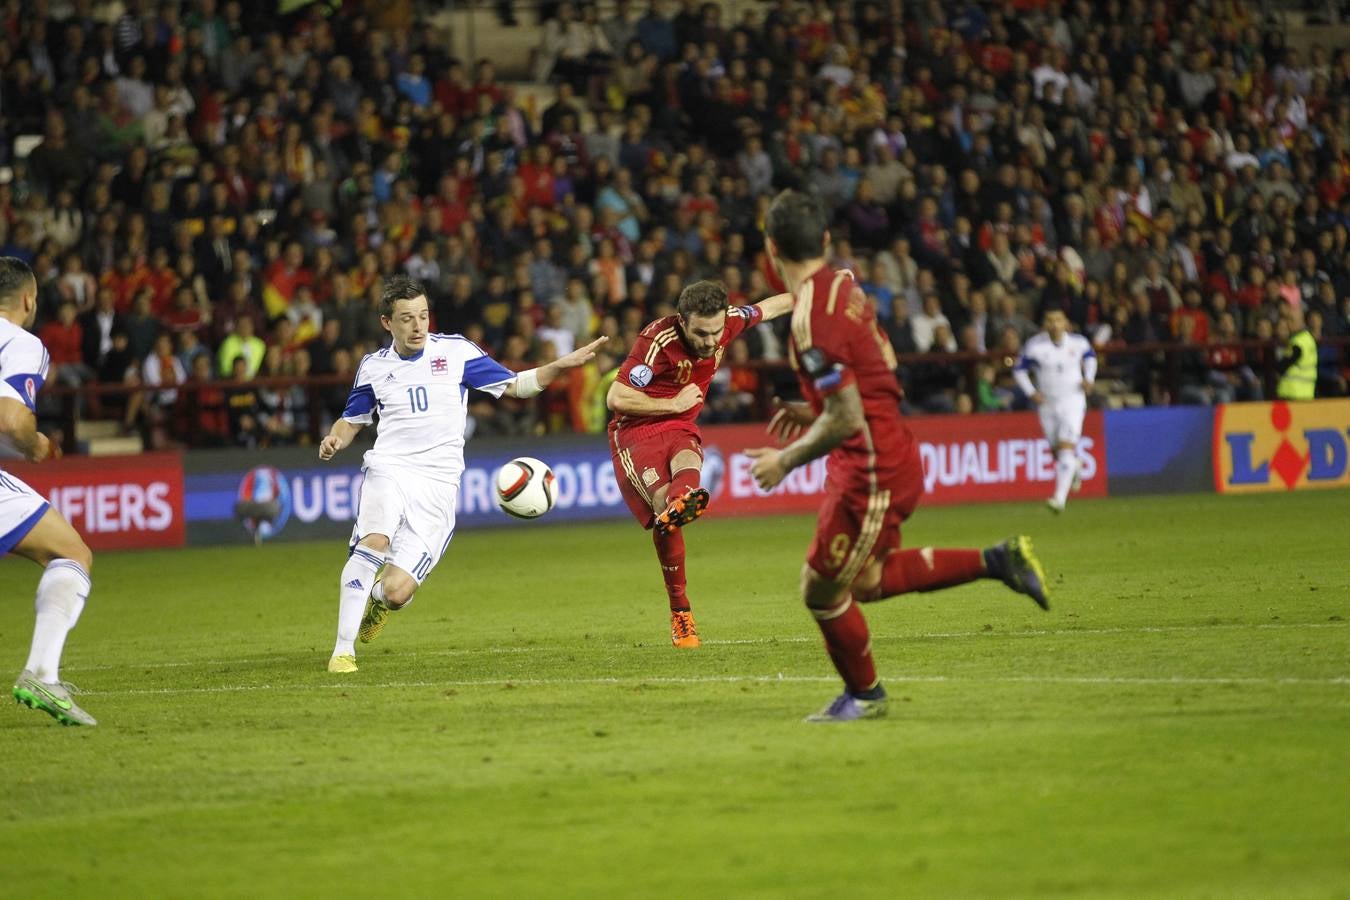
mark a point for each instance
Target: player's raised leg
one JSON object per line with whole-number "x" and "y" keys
{"x": 52, "y": 543}
{"x": 670, "y": 553}
{"x": 685, "y": 500}
{"x": 639, "y": 471}
{"x": 680, "y": 502}
{"x": 417, "y": 545}
{"x": 394, "y": 589}
{"x": 1012, "y": 562}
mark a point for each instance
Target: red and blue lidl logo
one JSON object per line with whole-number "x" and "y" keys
{"x": 1281, "y": 446}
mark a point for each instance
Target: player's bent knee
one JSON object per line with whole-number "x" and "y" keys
{"x": 399, "y": 588}
{"x": 867, "y": 583}
{"x": 81, "y": 554}
{"x": 54, "y": 538}
{"x": 819, "y": 592}
{"x": 686, "y": 459}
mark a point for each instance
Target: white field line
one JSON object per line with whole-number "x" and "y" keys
{"x": 639, "y": 680}
{"x": 586, "y": 647}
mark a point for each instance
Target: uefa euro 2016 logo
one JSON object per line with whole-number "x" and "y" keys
{"x": 263, "y": 503}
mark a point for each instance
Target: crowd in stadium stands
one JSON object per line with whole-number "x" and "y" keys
{"x": 219, "y": 193}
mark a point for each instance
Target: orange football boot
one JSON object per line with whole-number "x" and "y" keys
{"x": 682, "y": 510}
{"x": 683, "y": 631}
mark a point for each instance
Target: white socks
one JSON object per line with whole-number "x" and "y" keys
{"x": 357, "y": 577}
{"x": 60, "y": 598}
{"x": 1066, "y": 466}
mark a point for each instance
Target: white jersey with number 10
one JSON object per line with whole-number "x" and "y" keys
{"x": 422, "y": 403}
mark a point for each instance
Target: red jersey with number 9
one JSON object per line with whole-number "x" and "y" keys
{"x": 661, "y": 364}
{"x": 837, "y": 342}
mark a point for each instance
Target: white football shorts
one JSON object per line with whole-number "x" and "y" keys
{"x": 417, "y": 514}
{"x": 20, "y": 509}
{"x": 1062, "y": 419}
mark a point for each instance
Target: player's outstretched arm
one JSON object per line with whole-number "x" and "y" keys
{"x": 529, "y": 383}
{"x": 775, "y": 306}
{"x": 339, "y": 437}
{"x": 841, "y": 418}
{"x": 19, "y": 425}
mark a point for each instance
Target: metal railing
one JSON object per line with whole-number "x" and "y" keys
{"x": 1149, "y": 371}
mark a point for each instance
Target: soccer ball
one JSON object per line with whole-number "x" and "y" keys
{"x": 526, "y": 488}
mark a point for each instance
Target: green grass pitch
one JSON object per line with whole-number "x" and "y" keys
{"x": 1177, "y": 726}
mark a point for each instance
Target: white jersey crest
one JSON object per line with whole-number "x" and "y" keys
{"x": 422, "y": 403}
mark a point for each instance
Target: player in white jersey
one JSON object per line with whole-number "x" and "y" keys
{"x": 1065, "y": 367}
{"x": 406, "y": 514}
{"x": 29, "y": 527}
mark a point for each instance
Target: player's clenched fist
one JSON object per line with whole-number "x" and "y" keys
{"x": 768, "y": 468}
{"x": 688, "y": 397}
{"x": 329, "y": 446}
{"x": 41, "y": 449}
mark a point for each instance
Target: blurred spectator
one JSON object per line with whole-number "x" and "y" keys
{"x": 927, "y": 325}
{"x": 244, "y": 406}
{"x": 204, "y": 412}
{"x": 1330, "y": 380}
{"x": 162, "y": 367}
{"x": 241, "y": 344}
{"x": 64, "y": 339}
{"x": 555, "y": 330}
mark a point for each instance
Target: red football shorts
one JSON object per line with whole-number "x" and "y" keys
{"x": 642, "y": 467}
{"x": 857, "y": 524}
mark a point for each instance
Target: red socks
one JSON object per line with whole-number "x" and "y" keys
{"x": 847, "y": 639}
{"x": 926, "y": 569}
{"x": 670, "y": 550}
{"x": 682, "y": 481}
{"x": 849, "y": 644}
{"x": 670, "y": 547}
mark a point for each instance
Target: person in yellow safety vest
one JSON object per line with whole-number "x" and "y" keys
{"x": 1298, "y": 360}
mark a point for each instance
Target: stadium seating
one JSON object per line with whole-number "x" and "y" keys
{"x": 200, "y": 169}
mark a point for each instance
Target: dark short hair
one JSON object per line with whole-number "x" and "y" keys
{"x": 14, "y": 277}
{"x": 796, "y": 222}
{"x": 396, "y": 288}
{"x": 702, "y": 298}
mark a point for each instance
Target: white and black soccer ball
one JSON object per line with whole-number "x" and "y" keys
{"x": 526, "y": 488}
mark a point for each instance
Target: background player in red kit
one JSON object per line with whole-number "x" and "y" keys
{"x": 874, "y": 477}
{"x": 655, "y": 444}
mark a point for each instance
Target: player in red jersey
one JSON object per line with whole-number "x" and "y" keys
{"x": 845, "y": 366}
{"x": 654, "y": 439}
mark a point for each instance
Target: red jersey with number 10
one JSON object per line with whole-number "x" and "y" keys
{"x": 836, "y": 342}
{"x": 661, "y": 364}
